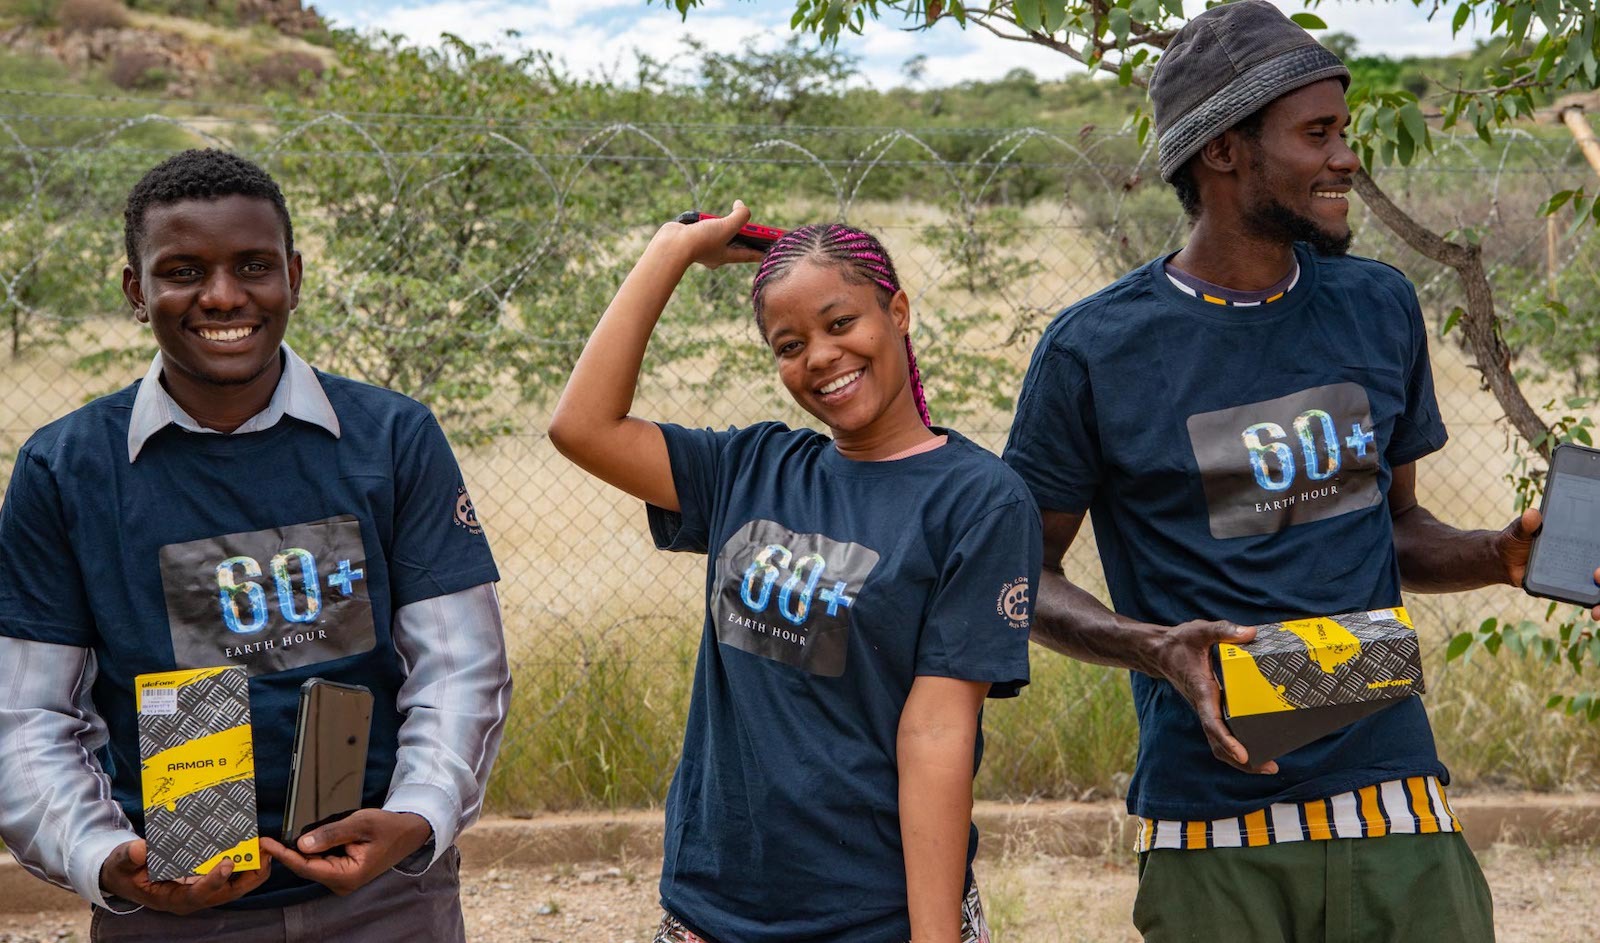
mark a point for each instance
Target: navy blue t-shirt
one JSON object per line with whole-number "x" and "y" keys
{"x": 831, "y": 585}
{"x": 286, "y": 551}
{"x": 1236, "y": 465}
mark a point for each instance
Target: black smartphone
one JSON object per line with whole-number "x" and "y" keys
{"x": 330, "y": 755}
{"x": 751, "y": 236}
{"x": 1566, "y": 550}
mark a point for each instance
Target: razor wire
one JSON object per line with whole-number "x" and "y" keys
{"x": 463, "y": 260}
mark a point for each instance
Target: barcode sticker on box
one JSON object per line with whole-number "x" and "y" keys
{"x": 1380, "y": 615}
{"x": 158, "y": 702}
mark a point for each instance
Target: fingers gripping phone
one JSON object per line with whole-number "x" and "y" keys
{"x": 330, "y": 755}
{"x": 751, "y": 236}
{"x": 1566, "y": 550}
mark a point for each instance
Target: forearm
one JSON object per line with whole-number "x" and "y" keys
{"x": 936, "y": 743}
{"x": 454, "y": 699}
{"x": 1070, "y": 620}
{"x": 1437, "y": 558}
{"x": 57, "y": 816}
{"x": 935, "y": 825}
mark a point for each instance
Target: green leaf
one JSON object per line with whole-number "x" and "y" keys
{"x": 1309, "y": 21}
{"x": 1559, "y": 200}
{"x": 1174, "y": 7}
{"x": 1550, "y": 14}
{"x": 1462, "y": 12}
{"x": 1029, "y": 14}
{"x": 1055, "y": 15}
{"x": 1405, "y": 147}
{"x": 1458, "y": 646}
{"x": 1521, "y": 15}
{"x": 1491, "y": 623}
{"x": 1411, "y": 116}
{"x": 1450, "y": 322}
{"x": 1555, "y": 701}
{"x": 1120, "y": 22}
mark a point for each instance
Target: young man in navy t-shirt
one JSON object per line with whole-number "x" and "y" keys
{"x": 237, "y": 507}
{"x": 1243, "y": 418}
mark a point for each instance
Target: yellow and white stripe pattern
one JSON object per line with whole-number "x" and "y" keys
{"x": 1205, "y": 296}
{"x": 1414, "y": 806}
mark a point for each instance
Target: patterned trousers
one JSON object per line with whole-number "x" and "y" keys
{"x": 974, "y": 928}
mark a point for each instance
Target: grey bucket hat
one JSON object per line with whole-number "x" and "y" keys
{"x": 1223, "y": 66}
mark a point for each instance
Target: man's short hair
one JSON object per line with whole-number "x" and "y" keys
{"x": 1183, "y": 178}
{"x": 207, "y": 174}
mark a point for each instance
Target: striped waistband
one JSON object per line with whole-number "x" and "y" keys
{"x": 1414, "y": 806}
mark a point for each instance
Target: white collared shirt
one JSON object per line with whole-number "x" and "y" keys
{"x": 298, "y": 394}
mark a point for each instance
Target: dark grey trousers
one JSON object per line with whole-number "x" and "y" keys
{"x": 393, "y": 907}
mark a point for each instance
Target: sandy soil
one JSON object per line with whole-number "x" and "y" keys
{"x": 1542, "y": 895}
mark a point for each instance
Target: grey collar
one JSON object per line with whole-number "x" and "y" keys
{"x": 299, "y": 394}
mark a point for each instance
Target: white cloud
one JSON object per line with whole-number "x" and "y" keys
{"x": 599, "y": 36}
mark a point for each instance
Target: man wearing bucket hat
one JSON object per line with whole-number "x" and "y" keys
{"x": 1243, "y": 417}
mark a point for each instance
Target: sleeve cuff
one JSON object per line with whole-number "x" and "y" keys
{"x": 83, "y": 869}
{"x": 441, "y": 812}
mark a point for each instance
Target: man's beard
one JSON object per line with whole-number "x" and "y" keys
{"x": 1273, "y": 219}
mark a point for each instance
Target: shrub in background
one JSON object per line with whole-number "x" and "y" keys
{"x": 87, "y": 16}
{"x": 288, "y": 70}
{"x": 138, "y": 69}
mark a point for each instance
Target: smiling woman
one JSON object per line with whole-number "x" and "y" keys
{"x": 865, "y": 591}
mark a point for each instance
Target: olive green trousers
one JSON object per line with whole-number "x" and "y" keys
{"x": 1395, "y": 889}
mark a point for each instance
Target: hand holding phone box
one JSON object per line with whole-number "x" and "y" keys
{"x": 751, "y": 236}
{"x": 1302, "y": 679}
{"x": 1566, "y": 550}
{"x": 330, "y": 755}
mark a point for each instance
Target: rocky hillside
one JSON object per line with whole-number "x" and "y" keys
{"x": 173, "y": 48}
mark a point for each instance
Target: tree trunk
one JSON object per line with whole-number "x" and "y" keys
{"x": 1478, "y": 323}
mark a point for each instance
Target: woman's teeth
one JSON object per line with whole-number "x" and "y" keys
{"x": 840, "y": 383}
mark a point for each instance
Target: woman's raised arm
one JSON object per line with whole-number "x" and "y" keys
{"x": 591, "y": 424}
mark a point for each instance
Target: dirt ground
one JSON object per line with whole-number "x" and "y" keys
{"x": 1541, "y": 896}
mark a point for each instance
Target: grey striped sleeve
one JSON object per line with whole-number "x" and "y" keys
{"x": 57, "y": 816}
{"x": 454, "y": 700}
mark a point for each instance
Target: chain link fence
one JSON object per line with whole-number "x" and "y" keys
{"x": 463, "y": 261}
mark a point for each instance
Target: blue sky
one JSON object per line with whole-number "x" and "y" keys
{"x": 598, "y": 36}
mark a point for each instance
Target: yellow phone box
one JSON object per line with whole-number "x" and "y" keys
{"x": 1303, "y": 679}
{"x": 199, "y": 774}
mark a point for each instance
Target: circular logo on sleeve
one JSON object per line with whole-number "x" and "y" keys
{"x": 1013, "y": 603}
{"x": 466, "y": 514}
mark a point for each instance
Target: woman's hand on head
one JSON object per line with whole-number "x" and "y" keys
{"x": 706, "y": 242}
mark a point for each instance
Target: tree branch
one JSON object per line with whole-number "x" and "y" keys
{"x": 1527, "y": 81}
{"x": 1478, "y": 322}
{"x": 983, "y": 18}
